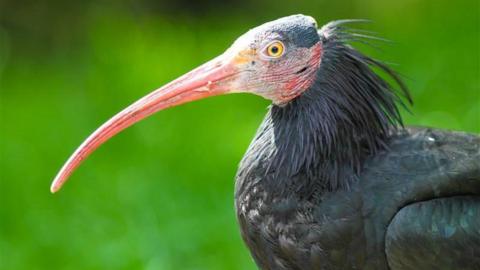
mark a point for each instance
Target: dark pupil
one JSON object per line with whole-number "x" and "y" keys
{"x": 274, "y": 49}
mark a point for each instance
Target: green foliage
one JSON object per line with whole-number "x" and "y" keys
{"x": 160, "y": 195}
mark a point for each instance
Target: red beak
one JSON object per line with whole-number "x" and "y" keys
{"x": 212, "y": 78}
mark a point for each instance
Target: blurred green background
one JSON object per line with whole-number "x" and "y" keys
{"x": 160, "y": 195}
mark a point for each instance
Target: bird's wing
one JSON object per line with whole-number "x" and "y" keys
{"x": 437, "y": 234}
{"x": 430, "y": 195}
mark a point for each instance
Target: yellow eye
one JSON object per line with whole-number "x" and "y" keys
{"x": 275, "y": 49}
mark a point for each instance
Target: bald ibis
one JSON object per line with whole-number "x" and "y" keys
{"x": 332, "y": 179}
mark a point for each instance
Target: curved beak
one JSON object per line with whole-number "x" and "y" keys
{"x": 215, "y": 77}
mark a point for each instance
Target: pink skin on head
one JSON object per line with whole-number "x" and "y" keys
{"x": 282, "y": 80}
{"x": 301, "y": 83}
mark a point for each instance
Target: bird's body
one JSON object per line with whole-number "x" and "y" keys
{"x": 413, "y": 206}
{"x": 332, "y": 180}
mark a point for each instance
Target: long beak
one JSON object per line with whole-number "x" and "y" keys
{"x": 212, "y": 78}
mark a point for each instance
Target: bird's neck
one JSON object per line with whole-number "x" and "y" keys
{"x": 300, "y": 149}
{"x": 318, "y": 142}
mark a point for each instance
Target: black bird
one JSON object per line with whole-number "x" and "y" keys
{"x": 332, "y": 179}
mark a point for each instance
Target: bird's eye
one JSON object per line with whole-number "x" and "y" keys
{"x": 275, "y": 49}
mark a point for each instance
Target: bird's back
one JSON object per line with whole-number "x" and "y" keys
{"x": 415, "y": 205}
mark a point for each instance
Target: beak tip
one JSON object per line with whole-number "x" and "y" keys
{"x": 53, "y": 189}
{"x": 56, "y": 185}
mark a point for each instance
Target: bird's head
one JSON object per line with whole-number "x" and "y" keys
{"x": 279, "y": 60}
{"x": 276, "y": 60}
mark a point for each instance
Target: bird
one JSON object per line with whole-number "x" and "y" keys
{"x": 333, "y": 179}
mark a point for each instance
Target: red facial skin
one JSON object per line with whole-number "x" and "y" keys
{"x": 302, "y": 82}
{"x": 280, "y": 80}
